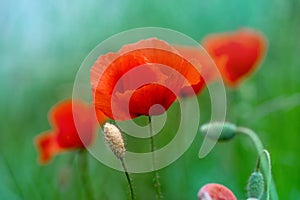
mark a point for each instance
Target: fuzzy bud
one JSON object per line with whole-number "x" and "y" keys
{"x": 255, "y": 187}
{"x": 114, "y": 139}
{"x": 212, "y": 130}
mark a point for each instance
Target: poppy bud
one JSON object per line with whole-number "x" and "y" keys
{"x": 214, "y": 191}
{"x": 212, "y": 130}
{"x": 255, "y": 187}
{"x": 114, "y": 139}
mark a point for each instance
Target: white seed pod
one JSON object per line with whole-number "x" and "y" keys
{"x": 114, "y": 139}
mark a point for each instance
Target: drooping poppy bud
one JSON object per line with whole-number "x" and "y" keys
{"x": 221, "y": 131}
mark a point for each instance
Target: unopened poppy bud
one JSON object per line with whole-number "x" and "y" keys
{"x": 214, "y": 191}
{"x": 255, "y": 187}
{"x": 114, "y": 139}
{"x": 212, "y": 130}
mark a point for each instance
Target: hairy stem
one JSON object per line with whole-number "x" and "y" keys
{"x": 265, "y": 164}
{"x": 268, "y": 157}
{"x": 152, "y": 149}
{"x": 128, "y": 179}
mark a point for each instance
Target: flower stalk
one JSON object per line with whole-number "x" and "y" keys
{"x": 128, "y": 179}
{"x": 152, "y": 149}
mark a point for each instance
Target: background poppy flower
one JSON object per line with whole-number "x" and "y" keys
{"x": 65, "y": 134}
{"x": 236, "y": 54}
{"x": 128, "y": 83}
{"x": 214, "y": 191}
{"x": 199, "y": 57}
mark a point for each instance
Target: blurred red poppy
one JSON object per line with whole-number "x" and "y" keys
{"x": 129, "y": 83}
{"x": 66, "y": 135}
{"x": 214, "y": 191}
{"x": 236, "y": 54}
{"x": 198, "y": 56}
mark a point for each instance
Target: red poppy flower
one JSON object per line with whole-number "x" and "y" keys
{"x": 65, "y": 134}
{"x": 129, "y": 83}
{"x": 215, "y": 191}
{"x": 236, "y": 54}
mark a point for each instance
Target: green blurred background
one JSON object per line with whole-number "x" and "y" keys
{"x": 43, "y": 43}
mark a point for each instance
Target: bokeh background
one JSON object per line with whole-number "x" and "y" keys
{"x": 43, "y": 43}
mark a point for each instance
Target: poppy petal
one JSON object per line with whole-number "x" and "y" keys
{"x": 236, "y": 54}
{"x": 47, "y": 147}
{"x": 68, "y": 129}
{"x": 61, "y": 118}
{"x": 143, "y": 99}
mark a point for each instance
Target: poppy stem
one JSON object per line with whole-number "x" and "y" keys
{"x": 152, "y": 149}
{"x": 264, "y": 164}
{"x": 128, "y": 179}
{"x": 84, "y": 174}
{"x": 258, "y": 165}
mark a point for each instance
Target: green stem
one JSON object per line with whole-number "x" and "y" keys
{"x": 128, "y": 179}
{"x": 152, "y": 149}
{"x": 264, "y": 164}
{"x": 268, "y": 157}
{"x": 84, "y": 175}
